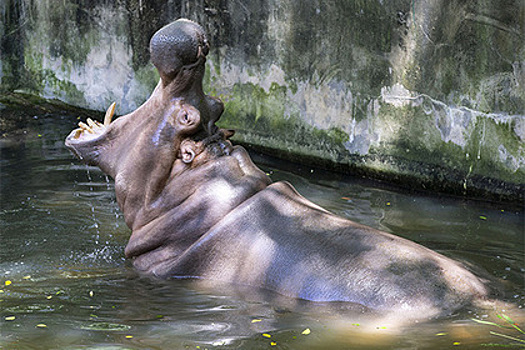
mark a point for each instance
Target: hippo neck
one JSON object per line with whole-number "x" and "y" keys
{"x": 190, "y": 205}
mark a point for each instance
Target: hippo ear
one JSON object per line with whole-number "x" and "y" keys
{"x": 187, "y": 151}
{"x": 226, "y": 133}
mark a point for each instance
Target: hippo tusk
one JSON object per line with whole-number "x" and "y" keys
{"x": 109, "y": 114}
{"x": 199, "y": 52}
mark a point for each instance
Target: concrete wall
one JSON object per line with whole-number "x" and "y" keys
{"x": 427, "y": 93}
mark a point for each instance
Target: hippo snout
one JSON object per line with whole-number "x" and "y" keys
{"x": 176, "y": 45}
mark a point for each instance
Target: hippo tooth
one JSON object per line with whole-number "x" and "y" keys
{"x": 109, "y": 114}
{"x": 85, "y": 127}
{"x": 91, "y": 123}
{"x": 78, "y": 132}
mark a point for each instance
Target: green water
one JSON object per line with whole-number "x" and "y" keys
{"x": 66, "y": 285}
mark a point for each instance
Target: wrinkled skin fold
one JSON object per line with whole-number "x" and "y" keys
{"x": 199, "y": 208}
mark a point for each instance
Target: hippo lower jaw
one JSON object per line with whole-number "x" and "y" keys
{"x": 82, "y": 141}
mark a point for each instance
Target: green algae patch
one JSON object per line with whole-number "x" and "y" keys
{"x": 457, "y": 151}
{"x": 266, "y": 119}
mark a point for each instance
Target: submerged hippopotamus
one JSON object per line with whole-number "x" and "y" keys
{"x": 199, "y": 208}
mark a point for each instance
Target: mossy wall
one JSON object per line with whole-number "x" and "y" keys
{"x": 428, "y": 93}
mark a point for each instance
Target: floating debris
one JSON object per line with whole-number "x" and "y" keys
{"x": 105, "y": 326}
{"x": 306, "y": 331}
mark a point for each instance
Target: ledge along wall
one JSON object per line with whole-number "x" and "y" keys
{"x": 429, "y": 94}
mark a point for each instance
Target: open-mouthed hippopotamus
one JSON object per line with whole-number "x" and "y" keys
{"x": 199, "y": 208}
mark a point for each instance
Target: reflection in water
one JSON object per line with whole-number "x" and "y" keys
{"x": 65, "y": 283}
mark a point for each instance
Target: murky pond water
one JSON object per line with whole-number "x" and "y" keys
{"x": 66, "y": 285}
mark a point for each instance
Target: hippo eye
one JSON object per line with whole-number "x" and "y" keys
{"x": 188, "y": 117}
{"x": 184, "y": 117}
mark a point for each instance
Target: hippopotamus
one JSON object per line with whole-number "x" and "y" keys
{"x": 199, "y": 208}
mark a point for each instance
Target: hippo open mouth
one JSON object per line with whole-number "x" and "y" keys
{"x": 198, "y": 207}
{"x": 88, "y": 134}
{"x": 93, "y": 128}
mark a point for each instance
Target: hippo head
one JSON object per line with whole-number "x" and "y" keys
{"x": 168, "y": 155}
{"x": 139, "y": 149}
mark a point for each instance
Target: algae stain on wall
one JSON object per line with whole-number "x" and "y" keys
{"x": 79, "y": 53}
{"x": 92, "y": 67}
{"x": 429, "y": 86}
{"x": 399, "y": 87}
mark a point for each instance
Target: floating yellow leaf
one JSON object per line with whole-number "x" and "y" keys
{"x": 356, "y": 324}
{"x": 26, "y": 277}
{"x": 10, "y": 318}
{"x": 49, "y": 297}
{"x": 440, "y": 334}
{"x": 387, "y": 203}
{"x": 266, "y": 335}
{"x": 91, "y": 293}
{"x": 306, "y": 331}
{"x": 1, "y": 291}
{"x": 129, "y": 336}
{"x": 456, "y": 343}
{"x": 382, "y": 327}
{"x": 8, "y": 283}
{"x": 273, "y": 343}
{"x": 482, "y": 217}
{"x": 256, "y": 320}
{"x": 41, "y": 325}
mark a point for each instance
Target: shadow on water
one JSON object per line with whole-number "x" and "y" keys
{"x": 65, "y": 283}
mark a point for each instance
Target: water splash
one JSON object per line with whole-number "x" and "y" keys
{"x": 95, "y": 225}
{"x": 114, "y": 205}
